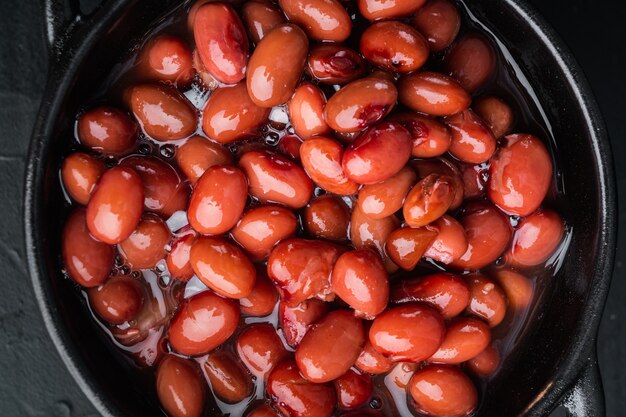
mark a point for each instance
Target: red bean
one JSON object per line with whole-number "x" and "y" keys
{"x": 221, "y": 41}
{"x": 384, "y": 199}
{"x": 409, "y": 332}
{"x": 430, "y": 137}
{"x": 394, "y": 46}
{"x": 519, "y": 290}
{"x": 207, "y": 81}
{"x": 406, "y": 245}
{"x": 465, "y": 338}
{"x": 107, "y": 130}
{"x": 323, "y": 20}
{"x": 360, "y": 104}
{"x": 439, "y": 21}
{"x": 488, "y": 233}
{"x": 118, "y": 300}
{"x": 168, "y": 58}
{"x": 223, "y": 267}
{"x": 79, "y": 173}
{"x": 474, "y": 182}
{"x": 263, "y": 410}
{"x": 263, "y": 298}
{"x": 442, "y": 166}
{"x": 485, "y": 363}
{"x": 327, "y": 217}
{"x": 372, "y": 233}
{"x": 353, "y": 389}
{"x": 443, "y": 391}
{"x": 274, "y": 178}
{"x": 178, "y": 260}
{"x": 115, "y": 206}
{"x": 202, "y": 323}
{"x": 520, "y": 175}
{"x": 297, "y": 397}
{"x": 261, "y": 228}
{"x": 163, "y": 112}
{"x": 401, "y": 374}
{"x": 487, "y": 300}
{"x": 447, "y": 293}
{"x": 146, "y": 245}
{"x": 230, "y": 115}
{"x": 289, "y": 145}
{"x": 471, "y": 61}
{"x": 180, "y": 387}
{"x": 428, "y": 200}
{"x": 536, "y": 238}
{"x": 334, "y": 64}
{"x": 472, "y": 140}
{"x": 496, "y": 113}
{"x": 296, "y": 321}
{"x": 229, "y": 381}
{"x": 359, "y": 278}
{"x": 198, "y": 154}
{"x": 301, "y": 269}
{"x": 260, "y": 348}
{"x": 330, "y": 347}
{"x": 272, "y": 81}
{"x": 260, "y": 18}
{"x": 378, "y": 154}
{"x": 433, "y": 93}
{"x": 321, "y": 158}
{"x": 306, "y": 111}
{"x": 451, "y": 242}
{"x": 372, "y": 361}
{"x": 380, "y": 9}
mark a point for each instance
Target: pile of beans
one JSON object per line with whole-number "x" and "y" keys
{"x": 332, "y": 167}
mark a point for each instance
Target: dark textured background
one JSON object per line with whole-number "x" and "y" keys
{"x": 33, "y": 380}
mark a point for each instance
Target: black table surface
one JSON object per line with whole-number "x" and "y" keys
{"x": 34, "y": 381}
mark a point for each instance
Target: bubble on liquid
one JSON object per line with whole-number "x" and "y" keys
{"x": 514, "y": 220}
{"x": 168, "y": 151}
{"x": 164, "y": 280}
{"x": 110, "y": 162}
{"x": 319, "y": 191}
{"x": 145, "y": 148}
{"x": 376, "y": 403}
{"x": 499, "y": 261}
{"x": 125, "y": 270}
{"x": 272, "y": 139}
{"x": 160, "y": 267}
{"x": 278, "y": 117}
{"x": 234, "y": 148}
{"x": 119, "y": 261}
{"x": 291, "y": 130}
{"x": 135, "y": 274}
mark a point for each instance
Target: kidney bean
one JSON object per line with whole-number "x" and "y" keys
{"x": 323, "y": 20}
{"x": 272, "y": 81}
{"x": 447, "y": 293}
{"x": 372, "y": 233}
{"x": 474, "y": 182}
{"x": 488, "y": 233}
{"x": 118, "y": 300}
{"x": 260, "y": 18}
{"x": 79, "y": 174}
{"x": 218, "y": 200}
{"x": 260, "y": 348}
{"x": 107, "y": 130}
{"x": 520, "y": 175}
{"x": 115, "y": 206}
{"x": 330, "y": 347}
{"x": 372, "y": 361}
{"x": 295, "y": 396}
{"x": 333, "y": 64}
{"x": 487, "y": 300}
{"x": 221, "y": 41}
{"x": 321, "y": 158}
{"x": 384, "y": 199}
{"x": 485, "y": 363}
{"x": 430, "y": 137}
{"x": 359, "y": 278}
{"x": 223, "y": 267}
{"x": 519, "y": 290}
{"x": 406, "y": 245}
{"x": 428, "y": 200}
{"x": 472, "y": 140}
{"x": 198, "y": 154}
{"x": 301, "y": 269}
{"x": 380, "y": 9}
{"x": 262, "y": 299}
{"x": 433, "y": 93}
{"x": 289, "y": 145}
{"x": 162, "y": 111}
{"x": 180, "y": 387}
{"x": 146, "y": 245}
{"x": 168, "y": 58}
{"x": 164, "y": 191}
{"x": 353, "y": 389}
{"x": 202, "y": 323}
{"x": 378, "y": 154}
{"x": 440, "y": 390}
{"x": 450, "y": 243}
{"x": 496, "y": 113}
{"x": 296, "y": 321}
{"x": 228, "y": 380}
{"x": 439, "y": 21}
{"x": 178, "y": 259}
{"x": 306, "y": 111}
{"x": 536, "y": 238}
{"x": 207, "y": 80}
{"x": 262, "y": 227}
{"x": 465, "y": 338}
{"x": 327, "y": 217}
{"x": 263, "y": 411}
{"x": 442, "y": 166}
{"x": 276, "y": 179}
{"x": 471, "y": 61}
{"x": 360, "y": 104}
{"x": 394, "y": 46}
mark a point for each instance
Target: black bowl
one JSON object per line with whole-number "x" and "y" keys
{"x": 558, "y": 362}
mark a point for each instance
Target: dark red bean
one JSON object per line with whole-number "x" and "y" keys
{"x": 118, "y": 300}
{"x": 406, "y": 245}
{"x": 430, "y": 137}
{"x": 439, "y": 21}
{"x": 229, "y": 381}
{"x": 442, "y": 166}
{"x": 519, "y": 289}
{"x": 178, "y": 260}
{"x": 384, "y": 199}
{"x": 474, "y": 181}
{"x": 107, "y": 130}
{"x": 487, "y": 300}
{"x": 472, "y": 140}
{"x": 353, "y": 389}
{"x": 289, "y": 145}
{"x": 180, "y": 387}
{"x": 471, "y": 61}
{"x": 260, "y": 18}
{"x": 440, "y": 390}
{"x": 428, "y": 200}
{"x": 433, "y": 93}
{"x": 263, "y": 298}
{"x": 260, "y": 348}
{"x": 485, "y": 363}
{"x": 334, "y": 64}
{"x": 296, "y": 321}
{"x": 380, "y": 9}
{"x": 198, "y": 154}
{"x": 450, "y": 243}
{"x": 536, "y": 238}
{"x": 327, "y": 217}
{"x": 372, "y": 361}
{"x": 168, "y": 58}
{"x": 146, "y": 245}
{"x": 321, "y": 158}
{"x": 323, "y": 20}
{"x": 371, "y": 233}
{"x": 496, "y": 113}
{"x": 80, "y": 173}
{"x": 306, "y": 111}
{"x": 465, "y": 338}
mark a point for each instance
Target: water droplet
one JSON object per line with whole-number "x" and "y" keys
{"x": 135, "y": 274}
{"x": 291, "y": 130}
{"x": 499, "y": 261}
{"x": 145, "y": 148}
{"x": 272, "y": 139}
{"x": 125, "y": 270}
{"x": 164, "y": 281}
{"x": 376, "y": 403}
{"x": 168, "y": 151}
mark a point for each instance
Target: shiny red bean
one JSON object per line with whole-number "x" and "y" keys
{"x": 394, "y": 46}
{"x": 447, "y": 293}
{"x": 433, "y": 93}
{"x": 80, "y": 173}
{"x": 263, "y": 298}
{"x": 260, "y": 18}
{"x": 442, "y": 166}
{"x": 487, "y": 300}
{"x": 229, "y": 381}
{"x": 428, "y": 200}
{"x": 323, "y": 20}
{"x": 519, "y": 289}
{"x": 276, "y": 179}
{"x": 430, "y": 137}
{"x": 168, "y": 58}
{"x": 180, "y": 387}
{"x": 306, "y": 111}
{"x": 406, "y": 245}
{"x": 381, "y": 9}
{"x": 115, "y": 206}
{"x": 384, "y": 199}
{"x": 263, "y": 411}
{"x": 198, "y": 154}
{"x": 520, "y": 175}
{"x": 146, "y": 245}
{"x": 450, "y": 243}
{"x": 471, "y": 61}
{"x": 221, "y": 41}
{"x": 439, "y": 21}
{"x": 496, "y": 113}
{"x": 178, "y": 259}
{"x": 443, "y": 391}
{"x": 334, "y": 64}
{"x": 327, "y": 217}
{"x": 296, "y": 321}
{"x": 321, "y": 158}
{"x": 107, "y": 130}
{"x": 372, "y": 361}
{"x": 118, "y": 300}
{"x": 260, "y": 348}
{"x": 485, "y": 363}
{"x": 353, "y": 389}
{"x": 360, "y": 104}
{"x": 536, "y": 238}
{"x": 472, "y": 140}
{"x": 474, "y": 181}
{"x": 289, "y": 145}
{"x": 202, "y": 323}
{"x": 272, "y": 81}
{"x": 372, "y": 233}
{"x": 465, "y": 338}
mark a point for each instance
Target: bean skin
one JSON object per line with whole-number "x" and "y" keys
{"x": 487, "y": 300}
{"x": 471, "y": 61}
{"x": 146, "y": 245}
{"x": 536, "y": 238}
{"x": 323, "y": 20}
{"x": 229, "y": 381}
{"x": 80, "y": 173}
{"x": 107, "y": 130}
{"x": 327, "y": 217}
{"x": 260, "y": 348}
{"x": 439, "y": 21}
{"x": 450, "y": 243}
{"x": 474, "y": 182}
{"x": 379, "y": 9}
{"x": 118, "y": 300}
{"x": 321, "y": 158}
{"x": 430, "y": 137}
{"x": 485, "y": 363}
{"x": 384, "y": 199}
{"x": 373, "y": 233}
{"x": 168, "y": 58}
{"x": 180, "y": 387}
{"x": 333, "y": 64}
{"x": 178, "y": 262}
{"x": 353, "y": 389}
{"x": 465, "y": 339}
{"x": 433, "y": 93}
{"x": 441, "y": 390}
{"x": 306, "y": 111}
{"x": 428, "y": 200}
{"x": 406, "y": 246}
{"x": 260, "y": 18}
{"x": 496, "y": 113}
{"x": 198, "y": 154}
{"x": 263, "y": 298}
{"x": 472, "y": 140}
{"x": 519, "y": 289}
{"x": 296, "y": 321}
{"x": 442, "y": 166}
